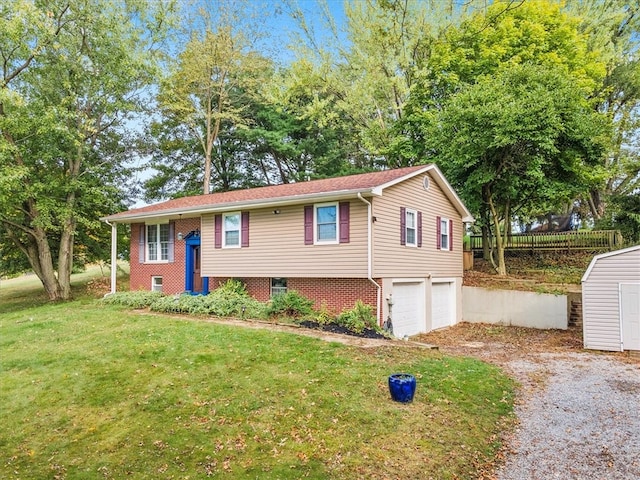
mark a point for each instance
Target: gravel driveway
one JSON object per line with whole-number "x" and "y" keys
{"x": 578, "y": 411}
{"x": 583, "y": 422}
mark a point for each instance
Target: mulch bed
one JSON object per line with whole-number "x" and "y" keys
{"x": 335, "y": 328}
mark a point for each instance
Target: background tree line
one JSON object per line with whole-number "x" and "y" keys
{"x": 529, "y": 107}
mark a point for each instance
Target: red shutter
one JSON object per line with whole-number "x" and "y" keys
{"x": 218, "y": 231}
{"x": 141, "y": 243}
{"x": 403, "y": 226}
{"x": 419, "y": 229}
{"x": 344, "y": 222}
{"x": 451, "y": 235}
{"x": 308, "y": 225}
{"x": 244, "y": 234}
{"x": 438, "y": 233}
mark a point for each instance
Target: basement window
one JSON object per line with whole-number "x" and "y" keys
{"x": 156, "y": 284}
{"x": 278, "y": 285}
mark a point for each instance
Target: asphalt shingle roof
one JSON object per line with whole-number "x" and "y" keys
{"x": 274, "y": 192}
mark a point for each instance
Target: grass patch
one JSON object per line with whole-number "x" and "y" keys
{"x": 27, "y": 290}
{"x": 95, "y": 391}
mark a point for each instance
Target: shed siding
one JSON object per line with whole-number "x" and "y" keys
{"x": 390, "y": 258}
{"x": 600, "y": 299}
{"x": 277, "y": 248}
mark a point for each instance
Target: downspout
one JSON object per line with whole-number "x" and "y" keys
{"x": 370, "y": 258}
{"x": 114, "y": 255}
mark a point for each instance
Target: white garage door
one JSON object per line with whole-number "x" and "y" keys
{"x": 442, "y": 306}
{"x": 408, "y": 314}
{"x": 630, "y": 313}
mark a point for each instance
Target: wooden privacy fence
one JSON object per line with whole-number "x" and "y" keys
{"x": 563, "y": 241}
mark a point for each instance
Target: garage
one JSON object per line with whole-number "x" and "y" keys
{"x": 442, "y": 305}
{"x": 611, "y": 301}
{"x": 408, "y": 309}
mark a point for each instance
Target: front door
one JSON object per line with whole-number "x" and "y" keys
{"x": 197, "y": 279}
{"x": 193, "y": 281}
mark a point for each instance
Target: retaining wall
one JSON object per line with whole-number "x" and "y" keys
{"x": 511, "y": 307}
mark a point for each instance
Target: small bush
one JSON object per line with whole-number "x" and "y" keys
{"x": 359, "y": 318}
{"x": 290, "y": 304}
{"x": 324, "y": 316}
{"x": 232, "y": 300}
{"x": 136, "y": 299}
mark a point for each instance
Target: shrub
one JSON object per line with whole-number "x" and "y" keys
{"x": 359, "y": 318}
{"x": 290, "y": 304}
{"x": 324, "y": 316}
{"x": 229, "y": 300}
{"x": 232, "y": 300}
{"x": 137, "y": 299}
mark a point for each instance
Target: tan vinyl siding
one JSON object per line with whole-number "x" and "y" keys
{"x": 393, "y": 259}
{"x": 600, "y": 299}
{"x": 277, "y": 249}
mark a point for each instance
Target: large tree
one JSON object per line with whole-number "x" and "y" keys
{"x": 612, "y": 29}
{"x": 524, "y": 136}
{"x": 72, "y": 73}
{"x": 209, "y": 88}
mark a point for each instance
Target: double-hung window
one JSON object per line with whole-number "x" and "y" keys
{"x": 444, "y": 231}
{"x": 231, "y": 229}
{"x": 326, "y": 223}
{"x": 411, "y": 225}
{"x": 326, "y": 227}
{"x": 158, "y": 242}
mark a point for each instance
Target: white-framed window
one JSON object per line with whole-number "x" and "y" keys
{"x": 278, "y": 285}
{"x": 156, "y": 284}
{"x": 326, "y": 223}
{"x": 411, "y": 227}
{"x": 231, "y": 223}
{"x": 444, "y": 234}
{"x": 158, "y": 242}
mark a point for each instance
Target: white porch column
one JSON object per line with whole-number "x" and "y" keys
{"x": 114, "y": 255}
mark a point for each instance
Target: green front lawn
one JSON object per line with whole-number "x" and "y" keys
{"x": 95, "y": 391}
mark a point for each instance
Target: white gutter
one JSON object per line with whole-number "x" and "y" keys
{"x": 114, "y": 254}
{"x": 370, "y": 259}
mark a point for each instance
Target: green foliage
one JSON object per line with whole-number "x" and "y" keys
{"x": 232, "y": 300}
{"x": 359, "y": 318}
{"x": 72, "y": 77}
{"x": 324, "y": 316}
{"x": 289, "y": 304}
{"x": 523, "y": 137}
{"x": 134, "y": 299}
{"x": 624, "y": 215}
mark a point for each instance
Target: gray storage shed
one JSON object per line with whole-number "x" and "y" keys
{"x": 611, "y": 301}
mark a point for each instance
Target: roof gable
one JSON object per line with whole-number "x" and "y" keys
{"x": 372, "y": 183}
{"x": 597, "y": 258}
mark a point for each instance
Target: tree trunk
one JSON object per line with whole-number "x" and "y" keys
{"x": 486, "y": 242}
{"x": 65, "y": 258}
{"x": 40, "y": 259}
{"x": 501, "y": 266}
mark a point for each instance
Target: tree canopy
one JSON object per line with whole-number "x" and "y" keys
{"x": 528, "y": 107}
{"x": 71, "y": 76}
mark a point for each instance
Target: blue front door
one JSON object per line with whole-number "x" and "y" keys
{"x": 194, "y": 283}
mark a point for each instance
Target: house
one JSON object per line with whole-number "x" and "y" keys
{"x": 611, "y": 301}
{"x": 392, "y": 239}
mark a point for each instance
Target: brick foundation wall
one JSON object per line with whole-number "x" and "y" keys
{"x": 337, "y": 294}
{"x": 172, "y": 274}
